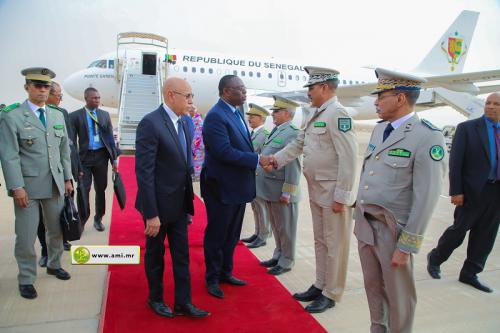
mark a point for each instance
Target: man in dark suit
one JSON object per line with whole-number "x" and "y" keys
{"x": 227, "y": 182}
{"x": 54, "y": 99}
{"x": 165, "y": 195}
{"x": 475, "y": 190}
{"x": 96, "y": 147}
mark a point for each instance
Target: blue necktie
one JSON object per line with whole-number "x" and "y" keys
{"x": 182, "y": 138}
{"x": 387, "y": 131}
{"x": 240, "y": 120}
{"x": 41, "y": 116}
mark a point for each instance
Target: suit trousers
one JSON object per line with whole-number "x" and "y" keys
{"x": 177, "y": 235}
{"x": 95, "y": 165}
{"x": 221, "y": 236}
{"x": 284, "y": 223}
{"x": 332, "y": 235}
{"x": 27, "y": 220}
{"x": 261, "y": 218}
{"x": 390, "y": 290}
{"x": 482, "y": 219}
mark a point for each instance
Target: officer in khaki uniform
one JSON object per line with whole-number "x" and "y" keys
{"x": 35, "y": 160}
{"x": 280, "y": 188}
{"x": 400, "y": 185}
{"x": 256, "y": 118}
{"x": 330, "y": 150}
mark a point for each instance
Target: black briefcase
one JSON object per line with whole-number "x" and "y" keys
{"x": 72, "y": 226}
{"x": 82, "y": 203}
{"x": 120, "y": 193}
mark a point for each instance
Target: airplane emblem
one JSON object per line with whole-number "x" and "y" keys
{"x": 455, "y": 49}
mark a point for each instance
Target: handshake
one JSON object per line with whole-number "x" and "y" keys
{"x": 268, "y": 162}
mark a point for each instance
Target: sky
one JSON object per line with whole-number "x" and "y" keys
{"x": 66, "y": 35}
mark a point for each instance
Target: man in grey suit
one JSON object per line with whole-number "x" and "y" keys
{"x": 256, "y": 118}
{"x": 36, "y": 164}
{"x": 280, "y": 188}
{"x": 400, "y": 185}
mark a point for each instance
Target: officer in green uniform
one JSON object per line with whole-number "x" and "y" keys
{"x": 400, "y": 185}
{"x": 36, "y": 165}
{"x": 279, "y": 189}
{"x": 256, "y": 119}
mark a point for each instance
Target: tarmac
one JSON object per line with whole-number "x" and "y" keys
{"x": 444, "y": 305}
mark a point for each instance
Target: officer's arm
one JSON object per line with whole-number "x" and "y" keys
{"x": 346, "y": 147}
{"x": 65, "y": 155}
{"x": 9, "y": 154}
{"x": 428, "y": 174}
{"x": 291, "y": 151}
{"x": 457, "y": 157}
{"x": 292, "y": 175}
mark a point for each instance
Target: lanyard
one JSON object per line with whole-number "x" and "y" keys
{"x": 96, "y": 122}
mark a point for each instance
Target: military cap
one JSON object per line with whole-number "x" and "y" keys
{"x": 38, "y": 74}
{"x": 283, "y": 103}
{"x": 257, "y": 110}
{"x": 391, "y": 80}
{"x": 320, "y": 75}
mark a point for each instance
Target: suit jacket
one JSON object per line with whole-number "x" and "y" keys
{"x": 34, "y": 156}
{"x": 470, "y": 159}
{"x": 271, "y": 185}
{"x": 230, "y": 161}
{"x": 164, "y": 186}
{"x": 403, "y": 175}
{"x": 80, "y": 129}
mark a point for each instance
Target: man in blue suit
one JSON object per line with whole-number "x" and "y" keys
{"x": 165, "y": 195}
{"x": 227, "y": 182}
{"x": 475, "y": 191}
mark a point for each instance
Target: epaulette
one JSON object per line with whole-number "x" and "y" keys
{"x": 55, "y": 107}
{"x": 10, "y": 107}
{"x": 294, "y": 127}
{"x": 430, "y": 125}
{"x": 380, "y": 121}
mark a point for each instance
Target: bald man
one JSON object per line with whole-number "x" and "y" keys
{"x": 165, "y": 195}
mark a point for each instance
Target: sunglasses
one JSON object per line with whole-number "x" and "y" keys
{"x": 41, "y": 85}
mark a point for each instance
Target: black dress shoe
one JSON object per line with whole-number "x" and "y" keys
{"x": 43, "y": 261}
{"x": 60, "y": 273}
{"x": 269, "y": 263}
{"x": 474, "y": 281}
{"x": 232, "y": 280}
{"x": 433, "y": 270}
{"x": 214, "y": 290}
{"x": 98, "y": 225}
{"x": 67, "y": 246}
{"x": 277, "y": 270}
{"x": 27, "y": 291}
{"x": 189, "y": 310}
{"x": 320, "y": 304}
{"x": 160, "y": 308}
{"x": 310, "y": 295}
{"x": 256, "y": 243}
{"x": 249, "y": 239}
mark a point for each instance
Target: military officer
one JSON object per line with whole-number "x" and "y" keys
{"x": 400, "y": 185}
{"x": 35, "y": 159}
{"x": 330, "y": 150}
{"x": 256, "y": 118}
{"x": 280, "y": 188}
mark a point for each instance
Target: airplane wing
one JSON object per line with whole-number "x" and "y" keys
{"x": 463, "y": 82}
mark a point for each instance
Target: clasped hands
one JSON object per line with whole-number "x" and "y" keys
{"x": 268, "y": 162}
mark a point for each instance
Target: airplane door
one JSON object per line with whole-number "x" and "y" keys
{"x": 148, "y": 64}
{"x": 281, "y": 79}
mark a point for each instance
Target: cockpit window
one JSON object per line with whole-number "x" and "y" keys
{"x": 111, "y": 64}
{"x": 99, "y": 64}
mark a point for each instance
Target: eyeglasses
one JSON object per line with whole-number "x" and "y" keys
{"x": 186, "y": 95}
{"x": 57, "y": 95}
{"x": 41, "y": 85}
{"x": 384, "y": 96}
{"x": 239, "y": 88}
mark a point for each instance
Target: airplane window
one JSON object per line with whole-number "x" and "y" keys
{"x": 297, "y": 77}
{"x": 242, "y": 73}
{"x": 258, "y": 74}
{"x": 281, "y": 76}
{"x": 350, "y": 81}
{"x": 289, "y": 77}
{"x": 101, "y": 64}
{"x": 250, "y": 74}
{"x": 92, "y": 64}
{"x": 193, "y": 69}
{"x": 235, "y": 72}
{"x": 269, "y": 75}
{"x": 344, "y": 82}
{"x": 111, "y": 64}
{"x": 210, "y": 70}
{"x": 357, "y": 82}
{"x": 202, "y": 70}
{"x": 184, "y": 69}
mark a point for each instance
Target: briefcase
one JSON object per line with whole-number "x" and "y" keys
{"x": 82, "y": 203}
{"x": 71, "y": 225}
{"x": 120, "y": 193}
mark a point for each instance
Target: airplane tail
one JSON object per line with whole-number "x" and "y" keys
{"x": 449, "y": 53}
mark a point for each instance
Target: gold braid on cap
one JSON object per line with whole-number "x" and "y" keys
{"x": 389, "y": 84}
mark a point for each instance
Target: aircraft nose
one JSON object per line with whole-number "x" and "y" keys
{"x": 73, "y": 85}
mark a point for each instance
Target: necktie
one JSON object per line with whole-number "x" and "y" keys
{"x": 41, "y": 116}
{"x": 387, "y": 131}
{"x": 182, "y": 138}
{"x": 240, "y": 120}
{"x": 251, "y": 133}
{"x": 497, "y": 144}
{"x": 274, "y": 130}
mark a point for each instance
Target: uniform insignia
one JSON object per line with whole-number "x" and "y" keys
{"x": 436, "y": 152}
{"x": 266, "y": 132}
{"x": 345, "y": 124}
{"x": 10, "y": 107}
{"x": 58, "y": 127}
{"x": 29, "y": 142}
{"x": 400, "y": 152}
{"x": 278, "y": 140}
{"x": 430, "y": 125}
{"x": 319, "y": 124}
{"x": 370, "y": 148}
{"x": 295, "y": 127}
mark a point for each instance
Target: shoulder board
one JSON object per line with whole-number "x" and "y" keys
{"x": 380, "y": 121}
{"x": 10, "y": 107}
{"x": 294, "y": 127}
{"x": 55, "y": 107}
{"x": 429, "y": 124}
{"x": 266, "y": 132}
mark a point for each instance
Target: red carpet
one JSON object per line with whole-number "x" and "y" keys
{"x": 262, "y": 306}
